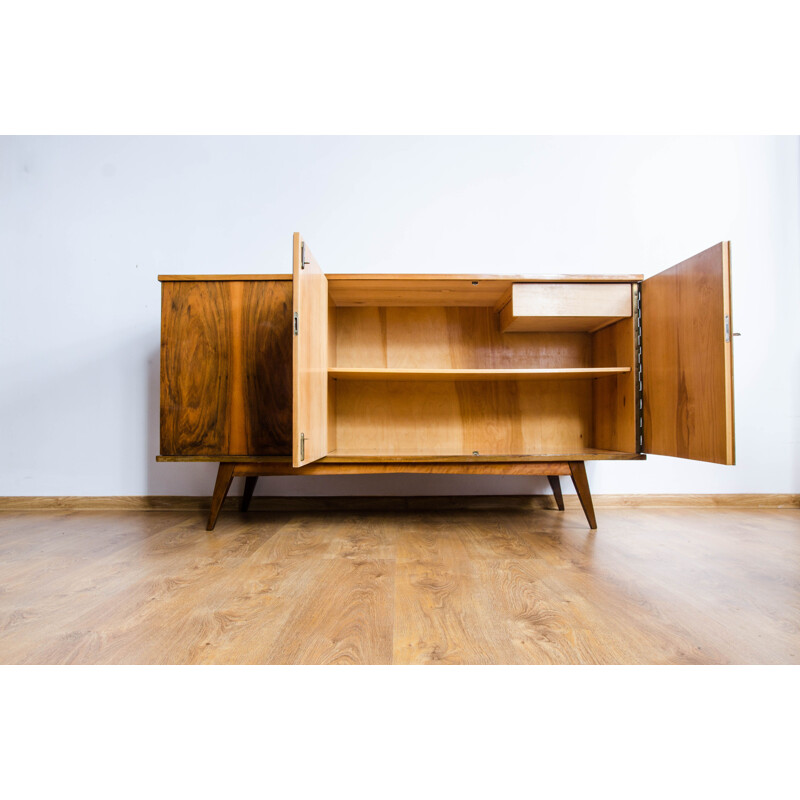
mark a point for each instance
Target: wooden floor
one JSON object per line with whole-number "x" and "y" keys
{"x": 511, "y": 586}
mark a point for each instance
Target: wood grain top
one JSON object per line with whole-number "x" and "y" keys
{"x": 169, "y": 278}
{"x": 417, "y": 276}
{"x": 544, "y": 278}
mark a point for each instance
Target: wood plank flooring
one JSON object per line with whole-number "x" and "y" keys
{"x": 498, "y": 586}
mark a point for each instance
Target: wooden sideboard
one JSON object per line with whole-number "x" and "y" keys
{"x": 314, "y": 374}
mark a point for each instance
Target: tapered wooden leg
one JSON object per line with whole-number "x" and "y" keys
{"x": 224, "y": 478}
{"x": 578, "y": 471}
{"x": 247, "y": 494}
{"x": 555, "y": 485}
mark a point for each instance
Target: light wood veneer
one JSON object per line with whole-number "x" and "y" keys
{"x": 440, "y": 373}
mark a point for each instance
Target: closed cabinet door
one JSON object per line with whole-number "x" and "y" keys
{"x": 309, "y": 357}
{"x": 687, "y": 359}
{"x": 226, "y": 368}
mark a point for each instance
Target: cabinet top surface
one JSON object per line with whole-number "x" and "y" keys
{"x": 419, "y": 277}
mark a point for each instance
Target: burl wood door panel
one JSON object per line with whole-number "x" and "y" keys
{"x": 226, "y": 368}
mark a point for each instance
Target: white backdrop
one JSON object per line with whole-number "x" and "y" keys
{"x": 86, "y": 225}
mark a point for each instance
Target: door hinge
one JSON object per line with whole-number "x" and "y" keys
{"x": 639, "y": 377}
{"x": 727, "y": 328}
{"x": 296, "y": 324}
{"x": 302, "y": 447}
{"x": 303, "y": 262}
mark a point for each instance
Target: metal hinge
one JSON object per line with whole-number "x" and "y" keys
{"x": 303, "y": 262}
{"x": 728, "y": 333}
{"x": 296, "y": 324}
{"x": 639, "y": 380}
{"x": 302, "y": 447}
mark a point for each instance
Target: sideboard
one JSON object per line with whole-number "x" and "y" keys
{"x": 315, "y": 374}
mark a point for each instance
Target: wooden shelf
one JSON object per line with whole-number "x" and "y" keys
{"x": 365, "y": 455}
{"x": 388, "y": 374}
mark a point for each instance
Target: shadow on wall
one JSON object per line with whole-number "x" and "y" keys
{"x": 197, "y": 479}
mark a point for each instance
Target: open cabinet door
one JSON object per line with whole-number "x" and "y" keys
{"x": 309, "y": 357}
{"x": 687, "y": 360}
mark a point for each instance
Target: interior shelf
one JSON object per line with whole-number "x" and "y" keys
{"x": 576, "y": 454}
{"x": 391, "y": 374}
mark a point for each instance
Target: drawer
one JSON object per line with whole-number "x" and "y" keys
{"x": 564, "y": 306}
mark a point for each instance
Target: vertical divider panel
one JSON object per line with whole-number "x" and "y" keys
{"x": 332, "y": 361}
{"x": 614, "y": 410}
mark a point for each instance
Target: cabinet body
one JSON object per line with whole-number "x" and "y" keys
{"x": 321, "y": 374}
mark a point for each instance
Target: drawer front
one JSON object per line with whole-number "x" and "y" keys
{"x": 565, "y": 306}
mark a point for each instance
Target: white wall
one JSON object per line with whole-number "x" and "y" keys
{"x": 86, "y": 225}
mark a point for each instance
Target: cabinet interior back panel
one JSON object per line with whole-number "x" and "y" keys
{"x": 448, "y": 338}
{"x": 461, "y": 417}
{"x": 614, "y": 398}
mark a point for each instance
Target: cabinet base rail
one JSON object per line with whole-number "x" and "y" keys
{"x": 251, "y": 471}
